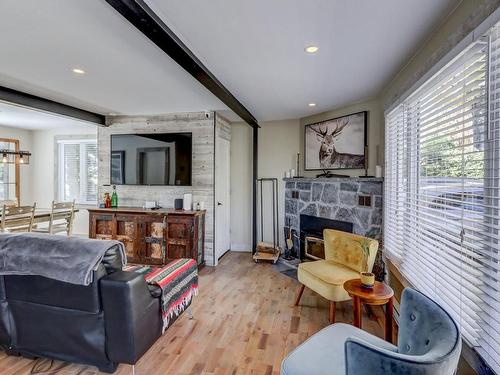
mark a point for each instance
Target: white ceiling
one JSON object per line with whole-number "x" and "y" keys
{"x": 255, "y": 48}
{"x": 30, "y": 119}
{"x": 41, "y": 41}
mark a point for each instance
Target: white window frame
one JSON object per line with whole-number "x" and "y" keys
{"x": 395, "y": 257}
{"x": 59, "y": 152}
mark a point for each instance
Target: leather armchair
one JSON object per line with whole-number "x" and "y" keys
{"x": 429, "y": 343}
{"x": 344, "y": 260}
{"x": 114, "y": 320}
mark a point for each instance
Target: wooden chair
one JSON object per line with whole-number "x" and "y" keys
{"x": 8, "y": 203}
{"x": 61, "y": 219}
{"x": 17, "y": 219}
{"x": 344, "y": 260}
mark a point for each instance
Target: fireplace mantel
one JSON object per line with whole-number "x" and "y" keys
{"x": 334, "y": 179}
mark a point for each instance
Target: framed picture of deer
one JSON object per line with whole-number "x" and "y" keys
{"x": 338, "y": 143}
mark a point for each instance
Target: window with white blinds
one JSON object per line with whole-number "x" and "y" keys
{"x": 442, "y": 204}
{"x": 77, "y": 171}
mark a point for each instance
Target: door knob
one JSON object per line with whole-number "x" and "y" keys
{"x": 219, "y": 203}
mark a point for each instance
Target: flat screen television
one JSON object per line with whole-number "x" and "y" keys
{"x": 151, "y": 159}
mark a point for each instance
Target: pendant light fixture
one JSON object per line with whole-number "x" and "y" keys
{"x": 15, "y": 157}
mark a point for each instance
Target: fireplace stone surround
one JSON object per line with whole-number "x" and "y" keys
{"x": 349, "y": 199}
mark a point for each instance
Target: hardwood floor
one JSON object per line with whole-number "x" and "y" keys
{"x": 245, "y": 322}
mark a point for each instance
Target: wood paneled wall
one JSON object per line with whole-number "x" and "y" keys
{"x": 203, "y": 163}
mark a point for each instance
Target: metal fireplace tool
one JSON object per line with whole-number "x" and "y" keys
{"x": 265, "y": 250}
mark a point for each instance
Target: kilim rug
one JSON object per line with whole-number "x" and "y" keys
{"x": 178, "y": 281}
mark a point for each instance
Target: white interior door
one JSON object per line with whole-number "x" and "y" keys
{"x": 222, "y": 197}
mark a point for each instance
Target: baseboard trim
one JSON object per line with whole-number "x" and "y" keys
{"x": 241, "y": 247}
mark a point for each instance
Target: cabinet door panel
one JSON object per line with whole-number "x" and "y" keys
{"x": 200, "y": 240}
{"x": 180, "y": 228}
{"x": 102, "y": 227}
{"x": 127, "y": 231}
{"x": 180, "y": 233}
{"x": 177, "y": 250}
{"x": 153, "y": 237}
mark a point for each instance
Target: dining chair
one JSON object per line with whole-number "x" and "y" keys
{"x": 17, "y": 219}
{"x": 8, "y": 203}
{"x": 61, "y": 219}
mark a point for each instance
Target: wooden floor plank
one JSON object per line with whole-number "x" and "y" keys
{"x": 244, "y": 323}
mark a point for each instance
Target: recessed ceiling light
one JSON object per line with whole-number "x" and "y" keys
{"x": 78, "y": 71}
{"x": 312, "y": 104}
{"x": 311, "y": 49}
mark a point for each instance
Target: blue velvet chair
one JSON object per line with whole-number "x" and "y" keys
{"x": 429, "y": 343}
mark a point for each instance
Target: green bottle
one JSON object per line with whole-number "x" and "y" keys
{"x": 114, "y": 198}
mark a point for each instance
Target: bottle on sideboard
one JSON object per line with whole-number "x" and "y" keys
{"x": 107, "y": 200}
{"x": 114, "y": 198}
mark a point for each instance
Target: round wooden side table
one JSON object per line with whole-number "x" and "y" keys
{"x": 380, "y": 294}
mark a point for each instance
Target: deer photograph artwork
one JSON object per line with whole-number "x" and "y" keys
{"x": 339, "y": 143}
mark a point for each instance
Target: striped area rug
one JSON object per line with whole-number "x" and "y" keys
{"x": 178, "y": 281}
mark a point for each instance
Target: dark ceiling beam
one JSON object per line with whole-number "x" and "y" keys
{"x": 139, "y": 14}
{"x": 32, "y": 101}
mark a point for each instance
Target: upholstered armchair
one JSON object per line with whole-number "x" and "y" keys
{"x": 429, "y": 343}
{"x": 344, "y": 260}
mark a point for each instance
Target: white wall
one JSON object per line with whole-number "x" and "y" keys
{"x": 278, "y": 148}
{"x": 375, "y": 134}
{"x": 25, "y": 143}
{"x": 42, "y": 166}
{"x": 279, "y": 143}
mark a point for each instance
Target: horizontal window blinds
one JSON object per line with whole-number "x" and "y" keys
{"x": 78, "y": 171}
{"x": 442, "y": 192}
{"x": 89, "y": 188}
{"x": 70, "y": 172}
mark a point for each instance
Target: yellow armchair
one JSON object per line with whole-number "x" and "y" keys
{"x": 344, "y": 260}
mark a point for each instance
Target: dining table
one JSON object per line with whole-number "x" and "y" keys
{"x": 41, "y": 215}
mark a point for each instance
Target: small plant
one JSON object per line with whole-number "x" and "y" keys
{"x": 367, "y": 278}
{"x": 365, "y": 246}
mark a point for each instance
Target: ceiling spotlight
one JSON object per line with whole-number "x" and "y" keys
{"x": 312, "y": 104}
{"x": 78, "y": 71}
{"x": 311, "y": 49}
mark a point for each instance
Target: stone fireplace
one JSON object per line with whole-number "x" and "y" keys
{"x": 354, "y": 204}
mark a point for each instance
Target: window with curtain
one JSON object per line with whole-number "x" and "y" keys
{"x": 442, "y": 203}
{"x": 77, "y": 164}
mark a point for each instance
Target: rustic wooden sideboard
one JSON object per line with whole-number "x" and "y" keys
{"x": 151, "y": 236}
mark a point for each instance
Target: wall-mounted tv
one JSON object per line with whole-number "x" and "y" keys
{"x": 151, "y": 159}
